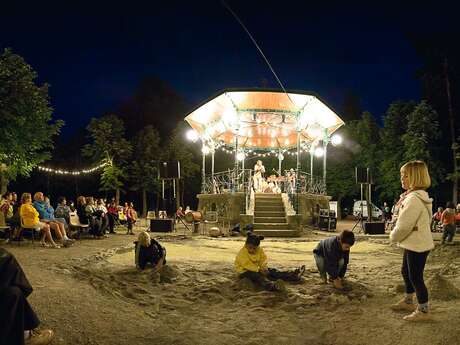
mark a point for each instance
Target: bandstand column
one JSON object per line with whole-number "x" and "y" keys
{"x": 203, "y": 171}
{"x": 235, "y": 178}
{"x": 297, "y": 175}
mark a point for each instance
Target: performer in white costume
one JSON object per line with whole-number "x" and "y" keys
{"x": 259, "y": 169}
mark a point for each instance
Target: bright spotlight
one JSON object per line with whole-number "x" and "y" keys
{"x": 192, "y": 135}
{"x": 240, "y": 156}
{"x": 319, "y": 152}
{"x": 336, "y": 139}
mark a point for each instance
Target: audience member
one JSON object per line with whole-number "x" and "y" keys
{"x": 112, "y": 213}
{"x": 131, "y": 216}
{"x": 19, "y": 322}
{"x": 94, "y": 218}
{"x": 30, "y": 218}
{"x": 62, "y": 210}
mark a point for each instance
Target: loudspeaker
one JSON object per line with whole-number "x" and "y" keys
{"x": 161, "y": 225}
{"x": 324, "y": 223}
{"x": 361, "y": 175}
{"x": 374, "y": 228}
{"x": 168, "y": 170}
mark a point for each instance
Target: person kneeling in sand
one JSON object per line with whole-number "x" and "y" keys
{"x": 149, "y": 251}
{"x": 251, "y": 263}
{"x": 332, "y": 256}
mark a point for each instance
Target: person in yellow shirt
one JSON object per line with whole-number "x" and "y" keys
{"x": 251, "y": 263}
{"x": 29, "y": 217}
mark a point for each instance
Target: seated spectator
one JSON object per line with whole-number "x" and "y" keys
{"x": 149, "y": 252}
{"x": 46, "y": 214}
{"x": 52, "y": 216}
{"x": 81, "y": 210}
{"x": 30, "y": 218}
{"x": 112, "y": 213}
{"x": 131, "y": 216}
{"x": 19, "y": 321}
{"x": 62, "y": 210}
{"x": 94, "y": 218}
{"x": 6, "y": 206}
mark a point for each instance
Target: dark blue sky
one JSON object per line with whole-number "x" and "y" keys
{"x": 94, "y": 58}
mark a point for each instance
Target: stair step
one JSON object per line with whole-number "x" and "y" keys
{"x": 269, "y": 204}
{"x": 276, "y": 233}
{"x": 270, "y": 219}
{"x": 269, "y": 208}
{"x": 271, "y": 226}
{"x": 258, "y": 214}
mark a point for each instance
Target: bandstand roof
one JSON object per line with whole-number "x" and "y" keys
{"x": 263, "y": 119}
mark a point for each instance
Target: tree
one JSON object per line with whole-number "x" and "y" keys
{"x": 109, "y": 146}
{"x": 392, "y": 148}
{"x": 26, "y": 129}
{"x": 420, "y": 138}
{"x": 351, "y": 107}
{"x": 144, "y": 171}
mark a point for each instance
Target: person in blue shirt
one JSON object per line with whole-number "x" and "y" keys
{"x": 332, "y": 255}
{"x": 46, "y": 214}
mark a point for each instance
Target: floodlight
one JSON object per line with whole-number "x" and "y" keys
{"x": 319, "y": 152}
{"x": 336, "y": 139}
{"x": 240, "y": 156}
{"x": 192, "y": 135}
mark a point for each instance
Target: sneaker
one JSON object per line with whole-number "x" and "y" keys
{"x": 418, "y": 315}
{"x": 43, "y": 337}
{"x": 402, "y": 305}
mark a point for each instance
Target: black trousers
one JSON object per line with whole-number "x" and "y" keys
{"x": 412, "y": 272}
{"x": 111, "y": 219}
{"x": 267, "y": 281}
{"x": 16, "y": 315}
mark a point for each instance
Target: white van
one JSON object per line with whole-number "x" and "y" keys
{"x": 376, "y": 212}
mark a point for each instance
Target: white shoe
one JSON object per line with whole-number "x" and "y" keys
{"x": 418, "y": 315}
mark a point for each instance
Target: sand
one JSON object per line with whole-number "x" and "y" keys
{"x": 93, "y": 294}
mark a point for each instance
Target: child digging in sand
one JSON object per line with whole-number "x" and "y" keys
{"x": 149, "y": 252}
{"x": 251, "y": 263}
{"x": 332, "y": 255}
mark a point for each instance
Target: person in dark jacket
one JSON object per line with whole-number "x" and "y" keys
{"x": 332, "y": 256}
{"x": 149, "y": 251}
{"x": 19, "y": 322}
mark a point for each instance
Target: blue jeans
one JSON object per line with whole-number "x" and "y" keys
{"x": 321, "y": 264}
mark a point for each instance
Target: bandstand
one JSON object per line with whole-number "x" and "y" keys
{"x": 253, "y": 121}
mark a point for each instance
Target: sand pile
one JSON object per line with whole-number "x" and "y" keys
{"x": 442, "y": 289}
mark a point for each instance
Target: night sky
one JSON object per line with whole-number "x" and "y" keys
{"x": 94, "y": 58}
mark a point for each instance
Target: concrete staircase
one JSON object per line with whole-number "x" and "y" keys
{"x": 270, "y": 216}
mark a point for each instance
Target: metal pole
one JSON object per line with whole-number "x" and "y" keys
{"x": 235, "y": 186}
{"x": 203, "y": 173}
{"x": 311, "y": 164}
{"x": 212, "y": 168}
{"x": 279, "y": 162}
{"x": 297, "y": 175}
{"x": 324, "y": 162}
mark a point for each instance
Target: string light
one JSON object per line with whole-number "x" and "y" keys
{"x": 71, "y": 172}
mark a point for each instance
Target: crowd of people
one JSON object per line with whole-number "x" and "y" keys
{"x": 54, "y": 224}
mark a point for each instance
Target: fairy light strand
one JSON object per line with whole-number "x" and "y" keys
{"x": 71, "y": 172}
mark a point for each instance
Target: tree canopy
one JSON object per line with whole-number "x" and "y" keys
{"x": 27, "y": 129}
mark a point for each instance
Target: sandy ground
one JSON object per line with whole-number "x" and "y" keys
{"x": 92, "y": 294}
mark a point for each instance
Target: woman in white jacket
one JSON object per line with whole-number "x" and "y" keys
{"x": 412, "y": 232}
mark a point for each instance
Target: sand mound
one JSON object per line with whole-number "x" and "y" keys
{"x": 442, "y": 289}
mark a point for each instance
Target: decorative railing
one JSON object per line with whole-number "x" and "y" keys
{"x": 227, "y": 182}
{"x": 304, "y": 184}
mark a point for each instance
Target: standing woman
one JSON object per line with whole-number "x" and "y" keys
{"x": 412, "y": 232}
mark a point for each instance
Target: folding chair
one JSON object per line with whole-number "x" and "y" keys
{"x": 4, "y": 228}
{"x": 33, "y": 229}
{"x": 75, "y": 223}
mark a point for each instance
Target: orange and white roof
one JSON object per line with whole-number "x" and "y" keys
{"x": 263, "y": 119}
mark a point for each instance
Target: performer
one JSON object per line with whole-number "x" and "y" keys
{"x": 259, "y": 170}
{"x": 291, "y": 180}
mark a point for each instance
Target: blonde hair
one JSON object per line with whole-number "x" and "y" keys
{"x": 37, "y": 194}
{"x": 144, "y": 239}
{"x": 417, "y": 174}
{"x": 25, "y": 197}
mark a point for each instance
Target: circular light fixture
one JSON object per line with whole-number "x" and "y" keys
{"x": 192, "y": 135}
{"x": 240, "y": 156}
{"x": 319, "y": 152}
{"x": 336, "y": 139}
